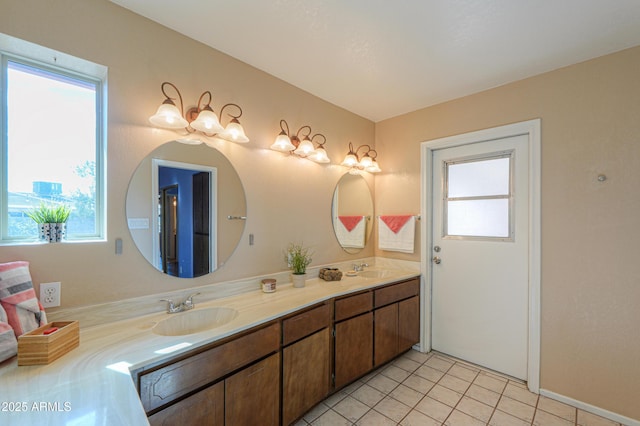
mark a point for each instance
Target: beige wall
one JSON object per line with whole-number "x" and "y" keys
{"x": 288, "y": 199}
{"x": 590, "y": 230}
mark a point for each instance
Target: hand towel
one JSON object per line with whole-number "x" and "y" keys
{"x": 396, "y": 233}
{"x": 17, "y": 297}
{"x": 8, "y": 342}
{"x": 350, "y": 231}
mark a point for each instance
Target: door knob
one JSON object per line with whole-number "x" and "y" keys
{"x": 436, "y": 260}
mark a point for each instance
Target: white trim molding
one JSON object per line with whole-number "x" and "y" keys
{"x": 590, "y": 408}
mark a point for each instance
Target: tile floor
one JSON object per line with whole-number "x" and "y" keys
{"x": 434, "y": 389}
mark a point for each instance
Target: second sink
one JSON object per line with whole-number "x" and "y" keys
{"x": 374, "y": 273}
{"x": 194, "y": 321}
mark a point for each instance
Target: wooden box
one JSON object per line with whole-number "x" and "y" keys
{"x": 36, "y": 348}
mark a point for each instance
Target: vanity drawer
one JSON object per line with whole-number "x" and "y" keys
{"x": 395, "y": 292}
{"x": 351, "y": 306}
{"x": 169, "y": 382}
{"x": 305, "y": 323}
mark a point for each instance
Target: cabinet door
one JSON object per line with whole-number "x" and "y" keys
{"x": 252, "y": 396}
{"x": 305, "y": 375}
{"x": 385, "y": 334}
{"x": 408, "y": 323}
{"x": 353, "y": 349}
{"x": 203, "y": 408}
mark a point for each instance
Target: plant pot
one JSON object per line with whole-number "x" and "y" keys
{"x": 52, "y": 232}
{"x": 298, "y": 280}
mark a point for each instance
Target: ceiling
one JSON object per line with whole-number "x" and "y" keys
{"x": 382, "y": 58}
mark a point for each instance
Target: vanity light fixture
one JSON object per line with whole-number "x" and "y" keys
{"x": 198, "y": 119}
{"x": 366, "y": 161}
{"x": 285, "y": 142}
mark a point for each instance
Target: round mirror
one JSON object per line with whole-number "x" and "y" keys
{"x": 352, "y": 213}
{"x": 186, "y": 209}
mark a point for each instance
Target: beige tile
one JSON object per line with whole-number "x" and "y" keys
{"x": 406, "y": 395}
{"x": 434, "y": 409}
{"x": 454, "y": 383}
{"x": 416, "y": 382}
{"x": 588, "y": 419}
{"x": 462, "y": 372}
{"x": 518, "y": 383}
{"x": 439, "y": 363}
{"x": 373, "y": 418}
{"x": 368, "y": 395}
{"x": 407, "y": 364}
{"x": 490, "y": 382}
{"x": 521, "y": 394}
{"x": 500, "y": 418}
{"x": 429, "y": 373}
{"x": 383, "y": 383}
{"x": 392, "y": 408}
{"x": 396, "y": 373}
{"x": 316, "y": 412}
{"x": 542, "y": 418}
{"x": 458, "y": 418}
{"x": 516, "y": 408}
{"x": 416, "y": 356}
{"x": 444, "y": 395}
{"x": 351, "y": 409}
{"x": 335, "y": 398}
{"x": 352, "y": 387}
{"x": 331, "y": 418}
{"x": 483, "y": 395}
{"x": 300, "y": 422}
{"x": 557, "y": 408}
{"x": 475, "y": 408}
{"x": 416, "y": 418}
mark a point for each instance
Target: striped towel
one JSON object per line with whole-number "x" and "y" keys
{"x": 8, "y": 342}
{"x": 17, "y": 297}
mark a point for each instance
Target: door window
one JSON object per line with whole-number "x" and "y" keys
{"x": 479, "y": 197}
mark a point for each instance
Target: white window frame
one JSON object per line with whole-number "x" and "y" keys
{"x": 23, "y": 52}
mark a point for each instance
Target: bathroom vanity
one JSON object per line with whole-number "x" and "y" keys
{"x": 310, "y": 353}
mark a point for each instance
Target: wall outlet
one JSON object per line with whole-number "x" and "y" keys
{"x": 50, "y": 294}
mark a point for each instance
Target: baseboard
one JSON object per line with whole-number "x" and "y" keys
{"x": 590, "y": 408}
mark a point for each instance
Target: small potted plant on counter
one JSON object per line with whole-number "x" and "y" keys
{"x": 298, "y": 258}
{"x": 52, "y": 221}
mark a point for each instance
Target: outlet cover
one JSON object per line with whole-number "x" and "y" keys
{"x": 50, "y": 294}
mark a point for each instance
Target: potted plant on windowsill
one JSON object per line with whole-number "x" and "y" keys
{"x": 298, "y": 258}
{"x": 52, "y": 221}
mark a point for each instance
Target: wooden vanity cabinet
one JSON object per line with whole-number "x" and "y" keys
{"x": 306, "y": 361}
{"x": 353, "y": 338}
{"x": 396, "y": 319}
{"x": 213, "y": 379}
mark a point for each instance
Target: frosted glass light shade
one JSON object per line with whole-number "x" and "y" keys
{"x": 305, "y": 148}
{"x": 168, "y": 116}
{"x": 319, "y": 156}
{"x": 234, "y": 132}
{"x": 350, "y": 161}
{"x": 373, "y": 168}
{"x": 207, "y": 122}
{"x": 283, "y": 143}
{"x": 366, "y": 162}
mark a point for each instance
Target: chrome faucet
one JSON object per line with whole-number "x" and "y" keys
{"x": 360, "y": 267}
{"x": 172, "y": 308}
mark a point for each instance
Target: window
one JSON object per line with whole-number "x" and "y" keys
{"x": 479, "y": 197}
{"x": 52, "y": 145}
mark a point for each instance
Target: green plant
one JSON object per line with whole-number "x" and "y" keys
{"x": 297, "y": 258}
{"x": 50, "y": 214}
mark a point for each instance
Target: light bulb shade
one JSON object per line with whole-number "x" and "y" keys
{"x": 366, "y": 162}
{"x": 350, "y": 160}
{"x": 305, "y": 148}
{"x": 168, "y": 116}
{"x": 319, "y": 156}
{"x": 373, "y": 168}
{"x": 283, "y": 143}
{"x": 207, "y": 122}
{"x": 234, "y": 132}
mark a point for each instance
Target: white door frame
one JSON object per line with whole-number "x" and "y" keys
{"x": 530, "y": 128}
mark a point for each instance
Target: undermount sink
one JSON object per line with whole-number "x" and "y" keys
{"x": 375, "y": 273}
{"x": 194, "y": 321}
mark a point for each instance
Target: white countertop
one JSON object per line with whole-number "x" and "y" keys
{"x": 82, "y": 389}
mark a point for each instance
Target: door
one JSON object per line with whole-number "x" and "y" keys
{"x": 480, "y": 259}
{"x": 201, "y": 222}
